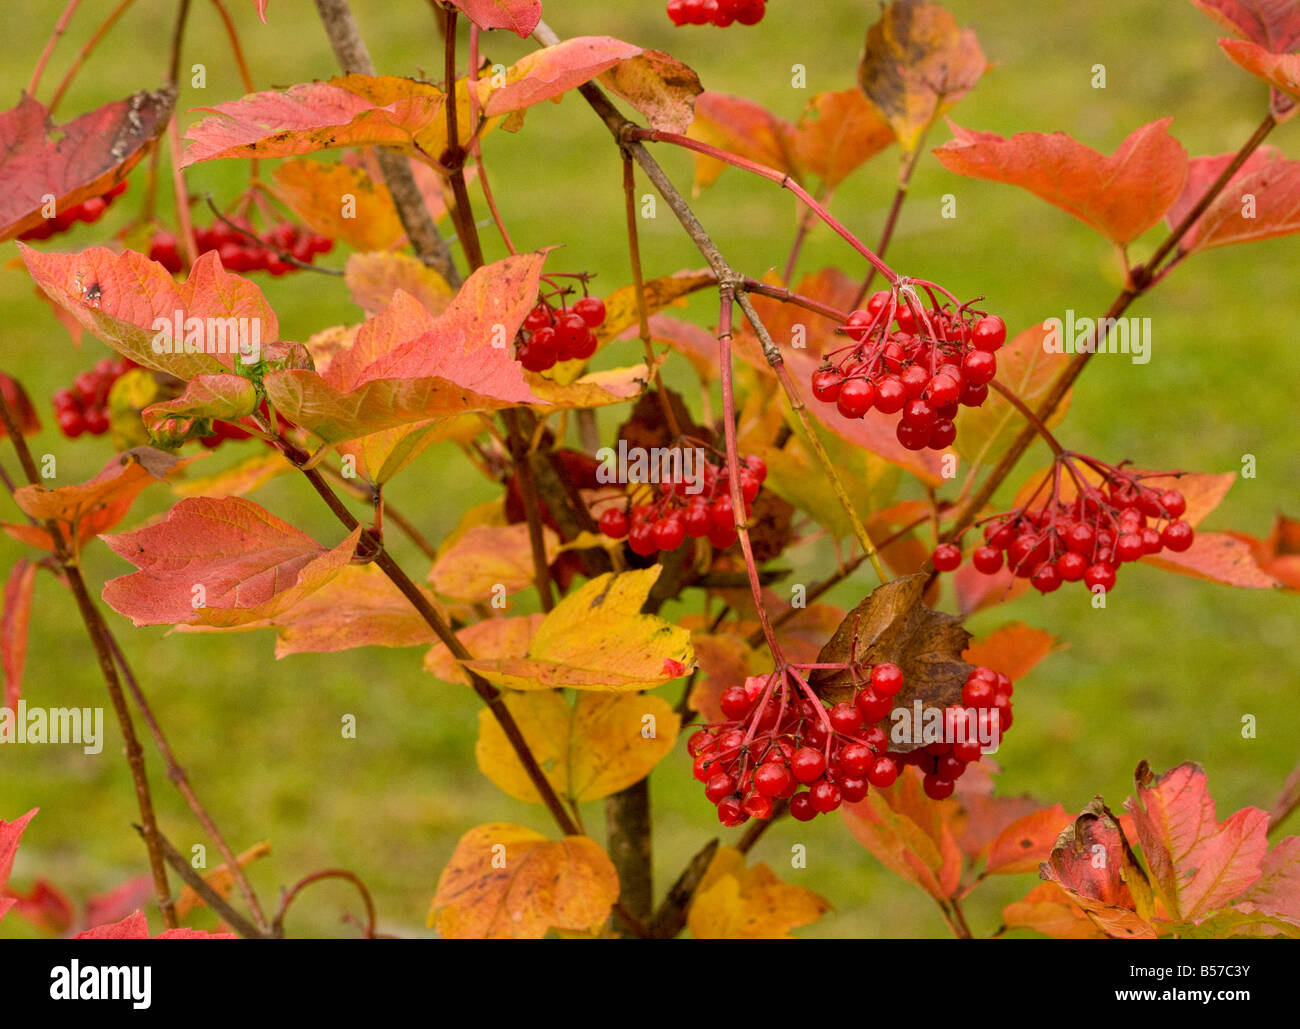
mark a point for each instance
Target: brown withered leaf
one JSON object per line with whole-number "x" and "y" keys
{"x": 893, "y": 625}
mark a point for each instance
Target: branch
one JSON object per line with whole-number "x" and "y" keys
{"x": 353, "y": 57}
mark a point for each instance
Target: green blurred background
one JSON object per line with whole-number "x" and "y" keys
{"x": 1165, "y": 674}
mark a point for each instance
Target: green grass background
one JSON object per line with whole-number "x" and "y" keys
{"x": 1165, "y": 673}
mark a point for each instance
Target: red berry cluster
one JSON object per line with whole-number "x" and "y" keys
{"x": 778, "y": 739}
{"x": 1082, "y": 539}
{"x": 933, "y": 362}
{"x": 567, "y": 334}
{"x": 664, "y": 523}
{"x": 88, "y": 211}
{"x": 239, "y": 253}
{"x": 83, "y": 407}
{"x": 716, "y": 12}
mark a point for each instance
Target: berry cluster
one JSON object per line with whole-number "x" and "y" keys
{"x": 934, "y": 362}
{"x": 779, "y": 737}
{"x": 716, "y": 12}
{"x": 238, "y": 252}
{"x": 664, "y": 522}
{"x": 567, "y": 334}
{"x": 1084, "y": 538}
{"x": 87, "y": 211}
{"x": 83, "y": 407}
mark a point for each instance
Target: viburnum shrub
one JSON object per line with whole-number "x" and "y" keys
{"x": 859, "y": 390}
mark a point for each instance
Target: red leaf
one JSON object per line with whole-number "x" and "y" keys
{"x": 136, "y": 927}
{"x": 89, "y": 508}
{"x": 744, "y": 128}
{"x": 1014, "y": 649}
{"x": 1260, "y": 202}
{"x": 519, "y": 16}
{"x": 45, "y": 906}
{"x": 552, "y": 71}
{"x": 1120, "y": 196}
{"x": 119, "y": 297}
{"x": 73, "y": 162}
{"x": 1197, "y": 863}
{"x": 118, "y": 902}
{"x": 1274, "y": 24}
{"x": 405, "y": 365}
{"x": 837, "y": 132}
{"x": 13, "y": 628}
{"x": 1280, "y": 71}
{"x": 1279, "y": 554}
{"x": 1277, "y": 890}
{"x": 10, "y": 834}
{"x": 1217, "y": 557}
{"x": 1201, "y": 173}
{"x": 21, "y": 406}
{"x": 250, "y": 565}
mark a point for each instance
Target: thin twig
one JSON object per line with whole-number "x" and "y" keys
{"x": 60, "y": 27}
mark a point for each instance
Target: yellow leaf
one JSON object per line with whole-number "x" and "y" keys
{"x": 596, "y": 638}
{"x": 508, "y": 882}
{"x": 315, "y": 191}
{"x": 507, "y": 637}
{"x": 738, "y": 903}
{"x": 588, "y": 750}
{"x": 373, "y": 278}
{"x": 488, "y": 559}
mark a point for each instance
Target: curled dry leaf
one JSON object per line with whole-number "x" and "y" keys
{"x": 508, "y": 882}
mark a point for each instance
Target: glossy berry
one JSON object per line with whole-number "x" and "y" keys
{"x": 591, "y": 310}
{"x": 938, "y": 788}
{"x": 989, "y": 333}
{"x": 886, "y": 679}
{"x": 773, "y": 780}
{"x": 613, "y": 523}
{"x": 735, "y": 702}
{"x": 807, "y": 764}
{"x": 801, "y": 807}
{"x": 883, "y": 771}
{"x": 987, "y": 560}
{"x": 947, "y": 557}
{"x": 1177, "y": 536}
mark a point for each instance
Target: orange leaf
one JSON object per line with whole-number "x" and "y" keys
{"x": 519, "y": 16}
{"x": 220, "y": 562}
{"x": 1027, "y": 842}
{"x": 917, "y": 63}
{"x": 1014, "y": 648}
{"x": 733, "y": 902}
{"x": 315, "y": 191}
{"x": 1201, "y": 174}
{"x": 505, "y": 637}
{"x": 1270, "y": 23}
{"x": 837, "y": 132}
{"x": 1120, "y": 196}
{"x": 13, "y": 628}
{"x": 81, "y": 159}
{"x": 1217, "y": 557}
{"x": 507, "y": 882}
{"x": 1271, "y": 188}
{"x": 374, "y": 278}
{"x": 1049, "y": 910}
{"x": 1279, "y": 554}
{"x": 745, "y": 129}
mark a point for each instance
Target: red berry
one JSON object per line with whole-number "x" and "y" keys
{"x": 970, "y": 750}
{"x": 669, "y": 533}
{"x": 613, "y": 523}
{"x": 591, "y": 310}
{"x": 96, "y": 421}
{"x": 943, "y": 390}
{"x": 987, "y": 560}
{"x": 949, "y": 767}
{"x": 826, "y": 384}
{"x": 974, "y": 394}
{"x": 883, "y": 771}
{"x": 855, "y": 398}
{"x": 886, "y": 680}
{"x": 538, "y": 318}
{"x": 731, "y": 812}
{"x": 938, "y": 788}
{"x": 1130, "y": 546}
{"x": 943, "y": 434}
{"x": 719, "y": 786}
{"x": 735, "y": 702}
{"x": 71, "y": 424}
{"x": 825, "y": 797}
{"x": 856, "y": 326}
{"x": 978, "y": 693}
{"x": 641, "y": 538}
{"x": 872, "y": 706}
{"x": 1173, "y": 503}
{"x": 1080, "y": 538}
{"x": 947, "y": 557}
{"x": 890, "y": 396}
{"x": 853, "y": 790}
{"x": 807, "y": 764}
{"x": 1177, "y": 536}
{"x": 570, "y": 335}
{"x": 912, "y": 437}
{"x": 758, "y": 806}
{"x": 989, "y": 333}
{"x": 1071, "y": 566}
{"x": 979, "y": 367}
{"x": 697, "y": 520}
{"x": 857, "y": 758}
{"x": 1099, "y": 575}
{"x": 677, "y": 12}
{"x": 801, "y": 807}
{"x": 773, "y": 780}
{"x": 845, "y": 719}
{"x": 1046, "y": 579}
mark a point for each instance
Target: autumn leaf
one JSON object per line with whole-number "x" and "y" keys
{"x": 1216, "y": 557}
{"x": 20, "y": 404}
{"x": 221, "y": 879}
{"x": 507, "y": 882}
{"x": 505, "y": 637}
{"x": 10, "y": 834}
{"x": 221, "y": 562}
{"x": 1272, "y": 186}
{"x": 1120, "y": 196}
{"x": 1013, "y": 649}
{"x": 724, "y": 660}
{"x": 659, "y": 86}
{"x": 1280, "y": 71}
{"x": 519, "y": 16}
{"x": 1028, "y": 368}
{"x": 120, "y": 297}
{"x": 346, "y": 111}
{"x": 1277, "y": 890}
{"x": 405, "y": 366}
{"x": 911, "y": 835}
{"x": 1027, "y": 842}
{"x": 13, "y": 628}
{"x": 374, "y": 278}
{"x": 596, "y": 638}
{"x": 489, "y": 558}
{"x": 1094, "y": 863}
{"x": 84, "y": 510}
{"x": 1197, "y": 864}
{"x": 75, "y": 161}
{"x": 136, "y": 927}
{"x": 1269, "y": 23}
{"x": 893, "y": 625}
{"x": 1277, "y": 555}
{"x": 733, "y": 902}
{"x": 745, "y": 129}
{"x": 237, "y": 480}
{"x": 917, "y": 63}
{"x": 315, "y": 192}
{"x": 1048, "y": 909}
{"x": 838, "y": 132}
{"x": 587, "y": 750}
{"x": 206, "y": 397}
